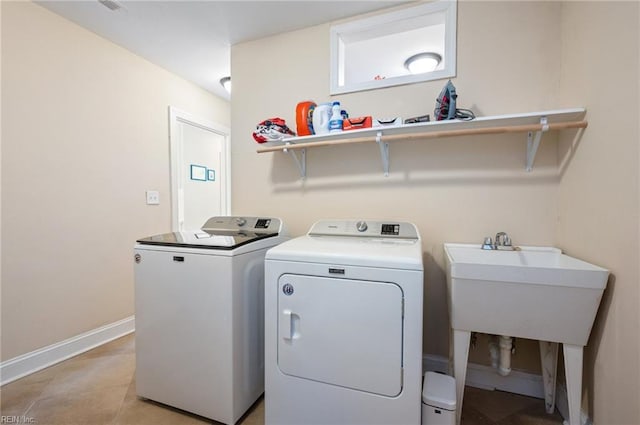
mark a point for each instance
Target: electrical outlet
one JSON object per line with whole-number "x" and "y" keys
{"x": 153, "y": 197}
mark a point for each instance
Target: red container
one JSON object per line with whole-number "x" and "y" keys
{"x": 304, "y": 118}
{"x": 356, "y": 123}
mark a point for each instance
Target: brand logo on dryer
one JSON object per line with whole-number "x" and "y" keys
{"x": 287, "y": 289}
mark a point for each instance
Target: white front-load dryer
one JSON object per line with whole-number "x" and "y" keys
{"x": 343, "y": 326}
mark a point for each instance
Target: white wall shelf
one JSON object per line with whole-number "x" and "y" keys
{"x": 534, "y": 124}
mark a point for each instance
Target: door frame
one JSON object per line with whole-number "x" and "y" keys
{"x": 176, "y": 117}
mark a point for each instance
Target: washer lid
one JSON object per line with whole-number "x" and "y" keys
{"x": 220, "y": 233}
{"x": 205, "y": 239}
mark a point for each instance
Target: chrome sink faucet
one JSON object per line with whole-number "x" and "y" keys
{"x": 502, "y": 242}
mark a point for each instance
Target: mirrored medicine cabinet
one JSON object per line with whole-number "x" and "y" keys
{"x": 405, "y": 46}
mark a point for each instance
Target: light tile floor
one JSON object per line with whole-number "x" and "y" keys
{"x": 98, "y": 388}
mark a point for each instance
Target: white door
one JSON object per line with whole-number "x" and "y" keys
{"x": 199, "y": 170}
{"x": 341, "y": 332}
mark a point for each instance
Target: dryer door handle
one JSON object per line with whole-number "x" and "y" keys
{"x": 289, "y": 325}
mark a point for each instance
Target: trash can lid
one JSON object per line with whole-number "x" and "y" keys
{"x": 439, "y": 391}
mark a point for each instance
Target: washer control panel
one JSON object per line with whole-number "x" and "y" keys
{"x": 368, "y": 228}
{"x": 390, "y": 229}
{"x": 255, "y": 224}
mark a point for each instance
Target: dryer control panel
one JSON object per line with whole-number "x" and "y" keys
{"x": 367, "y": 228}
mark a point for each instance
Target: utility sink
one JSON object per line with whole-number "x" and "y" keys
{"x": 530, "y": 292}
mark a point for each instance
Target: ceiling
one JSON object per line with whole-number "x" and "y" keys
{"x": 193, "y": 38}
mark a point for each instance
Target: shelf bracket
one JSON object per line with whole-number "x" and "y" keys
{"x": 533, "y": 142}
{"x": 301, "y": 162}
{"x": 384, "y": 153}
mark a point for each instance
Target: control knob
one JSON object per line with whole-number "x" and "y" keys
{"x": 241, "y": 221}
{"x": 362, "y": 226}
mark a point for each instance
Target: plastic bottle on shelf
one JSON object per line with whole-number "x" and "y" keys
{"x": 335, "y": 123}
{"x": 320, "y": 118}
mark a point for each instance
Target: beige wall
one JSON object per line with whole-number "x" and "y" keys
{"x": 84, "y": 134}
{"x": 599, "y": 193}
{"x": 457, "y": 189}
{"x": 512, "y": 57}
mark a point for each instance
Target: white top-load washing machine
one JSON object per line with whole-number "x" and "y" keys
{"x": 199, "y": 299}
{"x": 343, "y": 326}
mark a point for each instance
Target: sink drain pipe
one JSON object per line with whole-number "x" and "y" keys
{"x": 506, "y": 344}
{"x": 500, "y": 351}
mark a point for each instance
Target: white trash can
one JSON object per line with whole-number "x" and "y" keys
{"x": 438, "y": 399}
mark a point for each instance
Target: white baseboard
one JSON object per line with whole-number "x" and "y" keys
{"x": 485, "y": 377}
{"x": 34, "y": 361}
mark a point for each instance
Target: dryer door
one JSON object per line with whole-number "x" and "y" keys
{"x": 342, "y": 332}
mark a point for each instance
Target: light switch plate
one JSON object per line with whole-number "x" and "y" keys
{"x": 153, "y": 197}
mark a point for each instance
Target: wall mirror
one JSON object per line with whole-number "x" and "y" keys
{"x": 405, "y": 46}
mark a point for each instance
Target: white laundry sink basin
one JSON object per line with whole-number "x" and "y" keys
{"x": 533, "y": 292}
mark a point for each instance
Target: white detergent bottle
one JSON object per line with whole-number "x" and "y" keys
{"x": 320, "y": 118}
{"x": 335, "y": 123}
